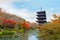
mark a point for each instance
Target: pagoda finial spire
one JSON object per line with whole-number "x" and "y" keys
{"x": 41, "y": 8}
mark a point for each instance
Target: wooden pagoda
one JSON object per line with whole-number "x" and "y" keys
{"x": 41, "y": 17}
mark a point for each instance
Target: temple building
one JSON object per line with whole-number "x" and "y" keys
{"x": 41, "y": 17}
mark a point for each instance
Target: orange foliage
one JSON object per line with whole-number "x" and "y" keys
{"x": 26, "y": 25}
{"x": 54, "y": 25}
{"x": 55, "y": 21}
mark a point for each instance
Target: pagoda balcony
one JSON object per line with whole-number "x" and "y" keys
{"x": 41, "y": 15}
{"x": 42, "y": 12}
{"x": 41, "y": 21}
{"x": 41, "y": 18}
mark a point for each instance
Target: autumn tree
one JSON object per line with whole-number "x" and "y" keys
{"x": 7, "y": 19}
{"x": 8, "y": 23}
{"x": 25, "y": 25}
{"x": 50, "y": 31}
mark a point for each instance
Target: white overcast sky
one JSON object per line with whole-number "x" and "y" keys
{"x": 27, "y": 8}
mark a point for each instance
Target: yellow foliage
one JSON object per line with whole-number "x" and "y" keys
{"x": 54, "y": 24}
{"x": 55, "y": 16}
{"x": 52, "y": 28}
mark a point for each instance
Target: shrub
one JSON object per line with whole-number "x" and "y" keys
{"x": 1, "y": 26}
{"x": 12, "y": 33}
{"x": 8, "y": 32}
{"x": 21, "y": 31}
{"x": 1, "y": 34}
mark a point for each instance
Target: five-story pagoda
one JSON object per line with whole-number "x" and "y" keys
{"x": 41, "y": 17}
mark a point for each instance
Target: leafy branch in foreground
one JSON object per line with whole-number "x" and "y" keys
{"x": 50, "y": 31}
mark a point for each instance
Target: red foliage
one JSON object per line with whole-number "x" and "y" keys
{"x": 4, "y": 20}
{"x": 26, "y": 25}
{"x": 8, "y": 22}
{"x": 12, "y": 22}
